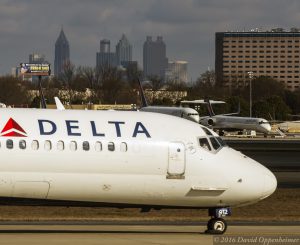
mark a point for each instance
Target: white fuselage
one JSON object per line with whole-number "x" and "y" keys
{"x": 183, "y": 112}
{"x": 133, "y": 158}
{"x": 236, "y": 123}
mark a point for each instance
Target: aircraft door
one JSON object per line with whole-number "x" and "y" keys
{"x": 176, "y": 160}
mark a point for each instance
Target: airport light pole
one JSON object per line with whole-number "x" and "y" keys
{"x": 250, "y": 74}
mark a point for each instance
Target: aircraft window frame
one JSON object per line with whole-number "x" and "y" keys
{"x": 215, "y": 143}
{"x": 221, "y": 141}
{"x": 123, "y": 147}
{"x": 111, "y": 146}
{"x": 60, "y": 145}
{"x": 35, "y": 145}
{"x": 73, "y": 145}
{"x": 204, "y": 144}
{"x": 86, "y": 145}
{"x": 207, "y": 131}
{"x": 47, "y": 145}
{"x": 98, "y": 146}
{"x": 9, "y": 144}
{"x": 22, "y": 144}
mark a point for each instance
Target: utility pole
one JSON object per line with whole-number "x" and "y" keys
{"x": 250, "y": 74}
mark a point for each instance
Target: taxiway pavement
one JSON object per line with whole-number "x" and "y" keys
{"x": 35, "y": 234}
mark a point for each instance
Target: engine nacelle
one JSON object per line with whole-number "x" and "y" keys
{"x": 211, "y": 121}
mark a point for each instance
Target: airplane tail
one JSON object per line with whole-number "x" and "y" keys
{"x": 43, "y": 101}
{"x": 59, "y": 105}
{"x": 234, "y": 113}
{"x": 142, "y": 94}
{"x": 209, "y": 108}
{"x": 212, "y": 113}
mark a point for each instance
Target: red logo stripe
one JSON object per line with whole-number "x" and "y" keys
{"x": 12, "y": 124}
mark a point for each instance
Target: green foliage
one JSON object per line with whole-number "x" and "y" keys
{"x": 269, "y": 97}
{"x": 13, "y": 91}
{"x": 292, "y": 99}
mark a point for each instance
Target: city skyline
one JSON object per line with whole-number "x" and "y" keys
{"x": 188, "y": 27}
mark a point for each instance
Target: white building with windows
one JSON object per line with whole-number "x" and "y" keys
{"x": 177, "y": 71}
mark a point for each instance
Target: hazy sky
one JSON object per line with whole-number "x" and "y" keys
{"x": 187, "y": 26}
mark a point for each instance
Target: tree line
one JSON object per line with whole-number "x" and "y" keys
{"x": 110, "y": 85}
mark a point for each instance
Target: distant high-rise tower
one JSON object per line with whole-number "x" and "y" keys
{"x": 155, "y": 61}
{"x": 36, "y": 58}
{"x": 62, "y": 53}
{"x": 105, "y": 57}
{"x": 123, "y": 51}
{"x": 177, "y": 71}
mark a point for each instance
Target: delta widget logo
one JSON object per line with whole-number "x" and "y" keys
{"x": 13, "y": 129}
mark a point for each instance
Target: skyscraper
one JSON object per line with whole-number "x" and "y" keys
{"x": 36, "y": 58}
{"x": 177, "y": 71}
{"x": 105, "y": 57}
{"x": 62, "y": 53}
{"x": 155, "y": 61}
{"x": 123, "y": 51}
{"x": 274, "y": 53}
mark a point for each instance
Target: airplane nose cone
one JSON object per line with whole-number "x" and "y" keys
{"x": 266, "y": 128}
{"x": 270, "y": 184}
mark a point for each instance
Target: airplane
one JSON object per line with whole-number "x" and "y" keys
{"x": 183, "y": 112}
{"x": 289, "y": 126}
{"x": 124, "y": 159}
{"x": 229, "y": 122}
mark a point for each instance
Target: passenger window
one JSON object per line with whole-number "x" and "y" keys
{"x": 35, "y": 145}
{"x": 123, "y": 147}
{"x": 214, "y": 143}
{"x": 9, "y": 144}
{"x": 85, "y": 145}
{"x": 204, "y": 144}
{"x": 73, "y": 146}
{"x": 48, "y": 145}
{"x": 60, "y": 145}
{"x": 22, "y": 144}
{"x": 111, "y": 146}
{"x": 98, "y": 146}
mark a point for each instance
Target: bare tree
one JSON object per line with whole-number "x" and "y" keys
{"x": 91, "y": 76}
{"x": 67, "y": 78}
{"x": 156, "y": 82}
{"x": 133, "y": 74}
{"x": 110, "y": 82}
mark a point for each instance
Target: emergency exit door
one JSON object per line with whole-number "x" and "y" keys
{"x": 176, "y": 165}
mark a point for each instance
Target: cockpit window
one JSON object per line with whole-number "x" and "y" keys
{"x": 206, "y": 131}
{"x": 204, "y": 144}
{"x": 215, "y": 143}
{"x": 221, "y": 142}
{"x": 211, "y": 142}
